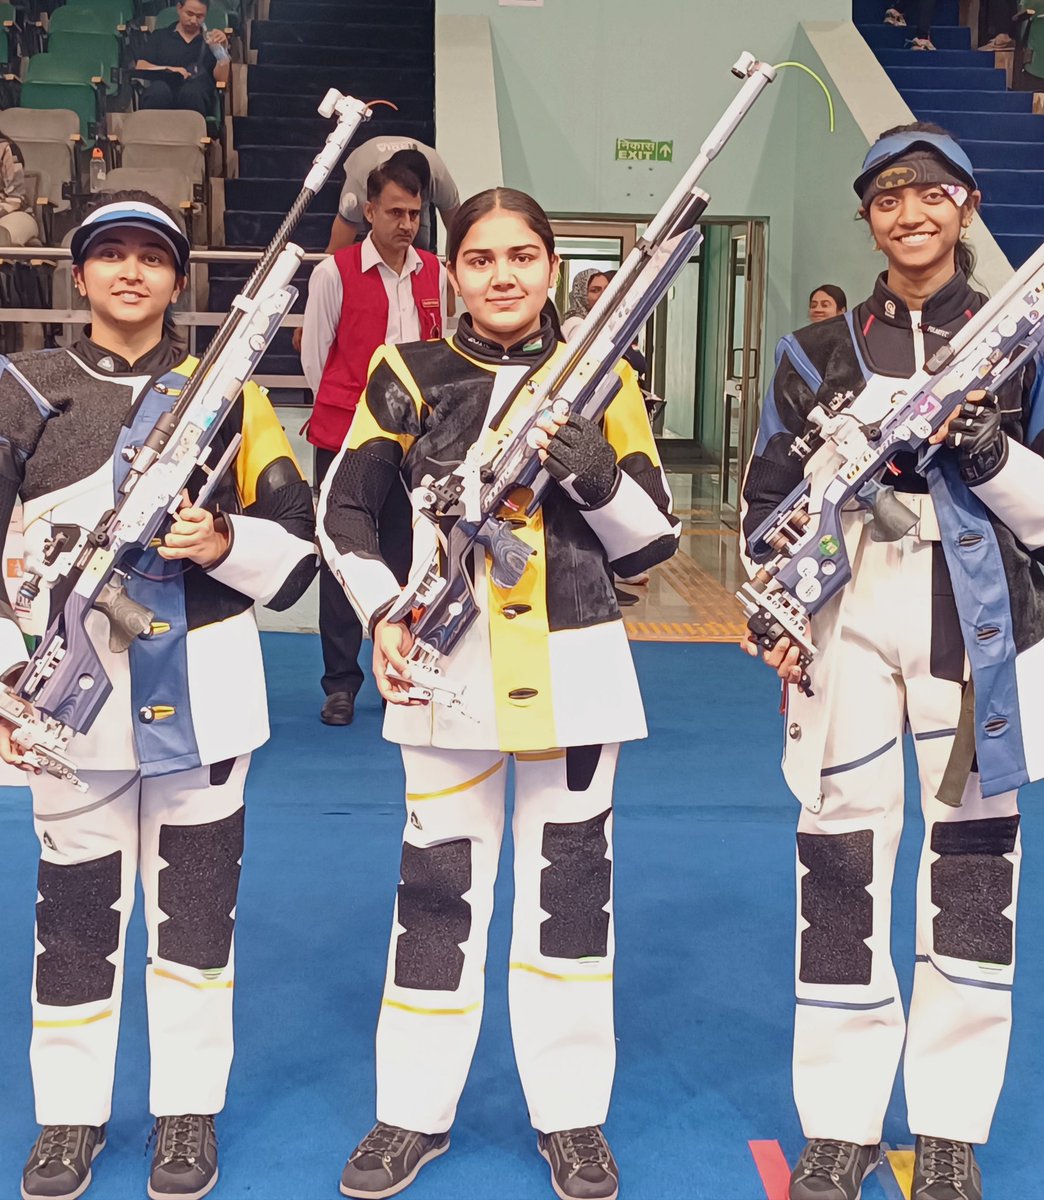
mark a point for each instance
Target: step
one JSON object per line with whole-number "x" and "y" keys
{"x": 256, "y": 229}
{"x": 1017, "y": 247}
{"x": 1015, "y": 218}
{"x": 969, "y": 101}
{"x": 1010, "y": 186}
{"x": 417, "y": 111}
{"x": 891, "y": 37}
{"x": 1028, "y": 155}
{"x": 322, "y": 56}
{"x": 358, "y": 14}
{"x": 940, "y": 60}
{"x": 389, "y": 36}
{"x": 311, "y": 131}
{"x": 918, "y": 77}
{"x": 275, "y": 195}
{"x": 354, "y": 78}
{"x": 871, "y": 12}
{"x": 1000, "y": 127}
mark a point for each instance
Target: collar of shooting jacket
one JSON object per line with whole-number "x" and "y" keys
{"x": 164, "y": 356}
{"x": 531, "y": 349}
{"x": 951, "y": 305}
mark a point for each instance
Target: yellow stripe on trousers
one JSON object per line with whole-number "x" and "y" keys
{"x": 460, "y": 787}
{"x": 578, "y": 978}
{"x": 201, "y": 985}
{"x": 73, "y": 1023}
{"x": 431, "y": 1012}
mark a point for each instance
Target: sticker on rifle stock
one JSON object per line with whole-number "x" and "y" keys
{"x": 928, "y": 405}
{"x": 829, "y": 545}
{"x": 809, "y": 590}
{"x": 807, "y": 568}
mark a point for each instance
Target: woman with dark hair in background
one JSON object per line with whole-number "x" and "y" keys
{"x": 166, "y": 760}
{"x": 826, "y": 301}
{"x": 947, "y": 594}
{"x": 549, "y": 682}
{"x": 588, "y": 285}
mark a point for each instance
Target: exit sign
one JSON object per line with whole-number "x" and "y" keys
{"x": 642, "y": 150}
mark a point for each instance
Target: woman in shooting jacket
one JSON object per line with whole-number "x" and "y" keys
{"x": 956, "y": 598}
{"x": 166, "y": 760}
{"x": 548, "y": 680}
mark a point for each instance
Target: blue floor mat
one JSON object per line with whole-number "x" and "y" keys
{"x": 704, "y": 887}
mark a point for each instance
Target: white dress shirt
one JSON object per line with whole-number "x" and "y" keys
{"x": 326, "y": 294}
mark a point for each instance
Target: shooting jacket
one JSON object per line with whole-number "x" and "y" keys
{"x": 193, "y": 694}
{"x": 988, "y": 589}
{"x": 547, "y": 664}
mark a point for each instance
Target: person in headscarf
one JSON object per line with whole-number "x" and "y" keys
{"x": 587, "y": 287}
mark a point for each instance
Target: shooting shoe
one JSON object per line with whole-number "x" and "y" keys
{"x": 830, "y": 1170}
{"x": 59, "y": 1165}
{"x": 388, "y": 1159}
{"x": 582, "y": 1165}
{"x": 945, "y": 1171}
{"x": 185, "y": 1164}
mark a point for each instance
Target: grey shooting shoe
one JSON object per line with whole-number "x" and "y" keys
{"x": 59, "y": 1166}
{"x": 388, "y": 1160}
{"x": 945, "y": 1170}
{"x": 830, "y": 1170}
{"x": 582, "y": 1165}
{"x": 185, "y": 1162}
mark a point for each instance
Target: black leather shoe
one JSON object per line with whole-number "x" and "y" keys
{"x": 338, "y": 709}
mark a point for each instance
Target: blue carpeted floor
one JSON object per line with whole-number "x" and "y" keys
{"x": 704, "y": 908}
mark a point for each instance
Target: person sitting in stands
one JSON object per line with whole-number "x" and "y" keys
{"x": 17, "y": 223}
{"x": 191, "y": 61}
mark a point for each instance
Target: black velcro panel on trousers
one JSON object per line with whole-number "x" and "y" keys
{"x": 972, "y": 884}
{"x": 837, "y": 906}
{"x": 435, "y": 917}
{"x": 197, "y": 891}
{"x": 78, "y": 929}
{"x": 581, "y": 764}
{"x": 575, "y": 889}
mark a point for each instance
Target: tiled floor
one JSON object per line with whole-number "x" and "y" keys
{"x": 689, "y": 599}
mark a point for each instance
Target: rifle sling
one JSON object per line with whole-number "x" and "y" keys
{"x": 962, "y": 753}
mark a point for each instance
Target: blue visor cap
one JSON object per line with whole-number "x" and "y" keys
{"x": 138, "y": 216}
{"x": 922, "y": 149}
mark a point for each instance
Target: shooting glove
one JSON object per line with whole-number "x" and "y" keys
{"x": 582, "y": 461}
{"x": 981, "y": 444}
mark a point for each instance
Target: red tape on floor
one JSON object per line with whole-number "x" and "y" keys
{"x": 772, "y": 1167}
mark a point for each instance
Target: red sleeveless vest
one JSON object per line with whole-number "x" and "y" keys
{"x": 362, "y": 328}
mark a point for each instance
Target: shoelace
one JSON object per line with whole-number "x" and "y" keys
{"x": 944, "y": 1162}
{"x": 382, "y": 1140}
{"x": 583, "y": 1147}
{"x": 180, "y": 1138}
{"x": 58, "y": 1142}
{"x": 826, "y": 1158}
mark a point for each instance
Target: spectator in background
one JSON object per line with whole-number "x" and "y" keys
{"x": 381, "y": 290}
{"x": 1000, "y": 24}
{"x": 583, "y": 295}
{"x": 826, "y": 301}
{"x": 17, "y": 223}
{"x": 188, "y": 60}
{"x": 437, "y": 187}
{"x": 896, "y": 15}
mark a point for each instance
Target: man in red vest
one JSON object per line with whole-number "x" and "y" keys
{"x": 378, "y": 290}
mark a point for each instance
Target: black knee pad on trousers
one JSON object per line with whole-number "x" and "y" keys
{"x": 197, "y": 891}
{"x": 837, "y": 906}
{"x": 78, "y": 929}
{"x": 435, "y": 918}
{"x": 972, "y": 883}
{"x": 575, "y": 889}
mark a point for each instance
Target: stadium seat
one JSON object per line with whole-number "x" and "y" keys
{"x": 50, "y": 143}
{"x": 172, "y": 187}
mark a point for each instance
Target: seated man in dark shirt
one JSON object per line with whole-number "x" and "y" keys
{"x": 189, "y": 61}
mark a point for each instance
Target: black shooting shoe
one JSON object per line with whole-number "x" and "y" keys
{"x": 830, "y": 1170}
{"x": 582, "y": 1165}
{"x": 59, "y": 1166}
{"x": 338, "y": 709}
{"x": 945, "y": 1171}
{"x": 388, "y": 1160}
{"x": 185, "y": 1162}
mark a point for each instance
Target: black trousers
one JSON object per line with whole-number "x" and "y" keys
{"x": 1000, "y": 17}
{"x": 924, "y": 9}
{"x": 195, "y": 94}
{"x": 340, "y": 630}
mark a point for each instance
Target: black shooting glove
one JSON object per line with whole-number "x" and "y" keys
{"x": 582, "y": 461}
{"x": 980, "y": 441}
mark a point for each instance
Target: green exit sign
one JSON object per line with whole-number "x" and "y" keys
{"x": 643, "y": 150}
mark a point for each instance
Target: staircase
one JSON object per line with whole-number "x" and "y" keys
{"x": 372, "y": 51}
{"x": 962, "y": 90}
